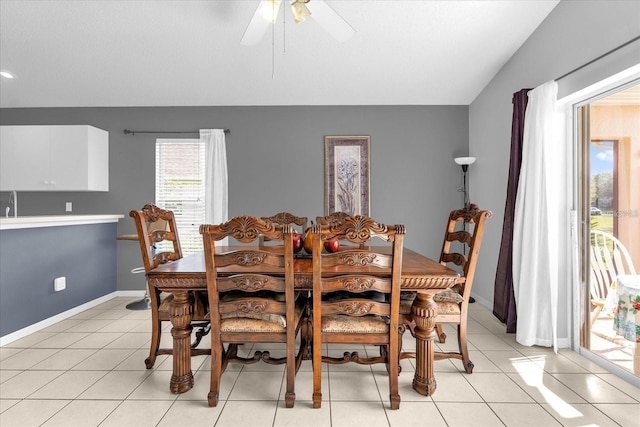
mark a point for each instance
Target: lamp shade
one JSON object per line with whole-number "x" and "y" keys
{"x": 464, "y": 160}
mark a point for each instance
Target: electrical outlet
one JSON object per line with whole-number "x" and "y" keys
{"x": 59, "y": 284}
{"x": 68, "y": 207}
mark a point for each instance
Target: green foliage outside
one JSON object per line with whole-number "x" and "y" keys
{"x": 601, "y": 196}
{"x": 603, "y": 223}
{"x": 601, "y": 190}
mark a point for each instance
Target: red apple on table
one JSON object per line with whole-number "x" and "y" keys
{"x": 332, "y": 245}
{"x": 297, "y": 242}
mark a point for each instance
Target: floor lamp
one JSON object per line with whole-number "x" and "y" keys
{"x": 464, "y": 162}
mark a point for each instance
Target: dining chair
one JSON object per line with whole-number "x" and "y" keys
{"x": 356, "y": 297}
{"x": 284, "y": 218}
{"x": 335, "y": 218}
{"x": 159, "y": 243}
{"x": 332, "y": 219}
{"x": 256, "y": 306}
{"x": 460, "y": 247}
{"x": 609, "y": 259}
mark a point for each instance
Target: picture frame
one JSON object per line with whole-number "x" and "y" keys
{"x": 347, "y": 174}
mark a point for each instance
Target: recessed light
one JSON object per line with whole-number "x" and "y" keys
{"x": 7, "y": 75}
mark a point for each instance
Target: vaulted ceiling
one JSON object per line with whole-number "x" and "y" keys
{"x": 179, "y": 53}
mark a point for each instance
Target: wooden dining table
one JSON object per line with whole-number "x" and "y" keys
{"x": 419, "y": 273}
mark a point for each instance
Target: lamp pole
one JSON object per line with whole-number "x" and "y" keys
{"x": 464, "y": 162}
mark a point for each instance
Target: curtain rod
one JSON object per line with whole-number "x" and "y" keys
{"x": 598, "y": 58}
{"x": 133, "y": 132}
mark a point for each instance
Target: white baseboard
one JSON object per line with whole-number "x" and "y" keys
{"x": 483, "y": 302}
{"x": 21, "y": 333}
{"x": 130, "y": 294}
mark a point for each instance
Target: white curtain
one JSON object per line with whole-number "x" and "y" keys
{"x": 216, "y": 180}
{"x": 541, "y": 221}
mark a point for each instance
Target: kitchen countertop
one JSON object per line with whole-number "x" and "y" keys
{"x": 55, "y": 220}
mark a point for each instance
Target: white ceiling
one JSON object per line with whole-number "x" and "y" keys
{"x": 179, "y": 53}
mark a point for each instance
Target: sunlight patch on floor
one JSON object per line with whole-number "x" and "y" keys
{"x": 535, "y": 379}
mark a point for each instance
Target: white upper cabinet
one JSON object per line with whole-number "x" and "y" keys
{"x": 54, "y": 158}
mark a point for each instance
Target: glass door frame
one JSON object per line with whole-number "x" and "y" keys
{"x": 579, "y": 123}
{"x": 583, "y": 208}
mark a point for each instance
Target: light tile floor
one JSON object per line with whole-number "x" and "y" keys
{"x": 608, "y": 344}
{"x": 89, "y": 371}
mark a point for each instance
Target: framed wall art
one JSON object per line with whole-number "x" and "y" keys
{"x": 347, "y": 174}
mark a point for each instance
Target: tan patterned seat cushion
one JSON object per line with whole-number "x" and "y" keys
{"x": 244, "y": 324}
{"x": 164, "y": 303}
{"x": 269, "y": 317}
{"x": 448, "y": 308}
{"x": 447, "y": 302}
{"x": 260, "y": 322}
{"x": 448, "y": 296}
{"x": 339, "y": 323}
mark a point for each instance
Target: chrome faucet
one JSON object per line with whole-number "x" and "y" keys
{"x": 13, "y": 197}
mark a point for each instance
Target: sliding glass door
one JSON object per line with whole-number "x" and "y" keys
{"x": 609, "y": 168}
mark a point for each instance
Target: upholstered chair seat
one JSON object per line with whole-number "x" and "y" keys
{"x": 247, "y": 323}
{"x": 341, "y": 324}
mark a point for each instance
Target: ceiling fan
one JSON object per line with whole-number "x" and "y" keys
{"x": 267, "y": 12}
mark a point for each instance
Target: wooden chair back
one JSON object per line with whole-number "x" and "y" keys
{"x": 159, "y": 243}
{"x": 258, "y": 305}
{"x": 461, "y": 243}
{"x": 286, "y": 218}
{"x": 332, "y": 219}
{"x": 461, "y": 247}
{"x": 356, "y": 295}
{"x": 155, "y": 225}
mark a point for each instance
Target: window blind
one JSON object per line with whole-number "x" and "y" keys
{"x": 180, "y": 182}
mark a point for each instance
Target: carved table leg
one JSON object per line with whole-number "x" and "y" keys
{"x": 424, "y": 311}
{"x": 181, "y": 312}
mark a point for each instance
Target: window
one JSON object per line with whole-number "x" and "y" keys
{"x": 180, "y": 183}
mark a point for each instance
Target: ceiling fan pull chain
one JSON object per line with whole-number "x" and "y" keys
{"x": 273, "y": 51}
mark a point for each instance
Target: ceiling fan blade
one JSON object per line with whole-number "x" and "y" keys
{"x": 330, "y": 21}
{"x": 256, "y": 28}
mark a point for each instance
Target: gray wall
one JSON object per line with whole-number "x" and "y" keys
{"x": 575, "y": 33}
{"x": 276, "y": 163}
{"x": 31, "y": 258}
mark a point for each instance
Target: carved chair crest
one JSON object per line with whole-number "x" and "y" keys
{"x": 286, "y": 218}
{"x": 359, "y": 229}
{"x": 245, "y": 229}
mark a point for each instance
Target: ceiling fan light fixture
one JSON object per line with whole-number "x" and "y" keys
{"x": 269, "y": 10}
{"x": 300, "y": 10}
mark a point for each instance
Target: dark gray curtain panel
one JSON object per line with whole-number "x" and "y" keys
{"x": 504, "y": 303}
